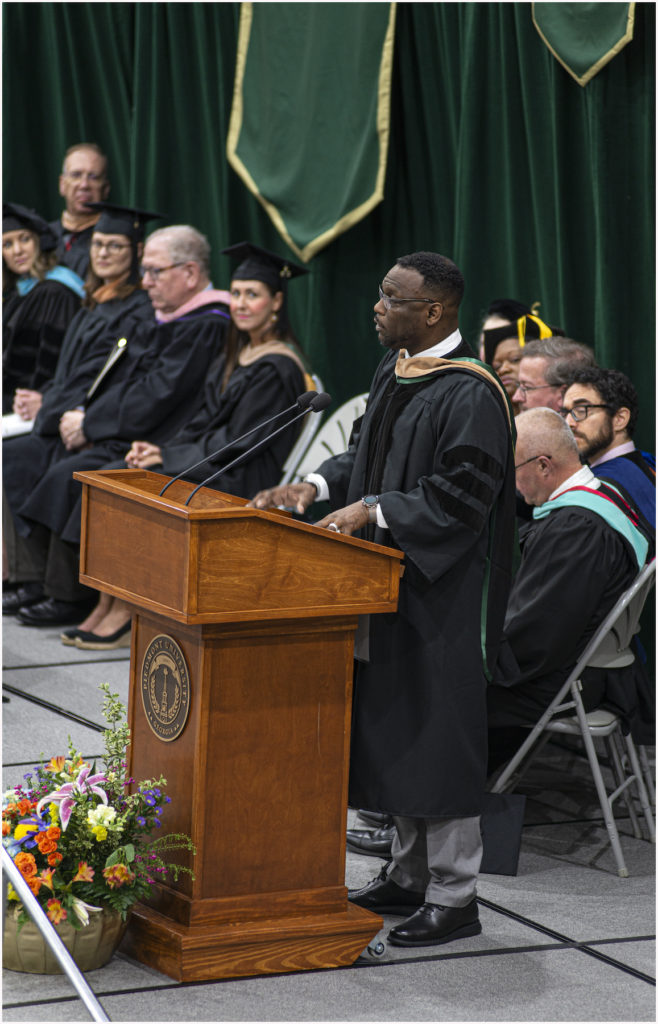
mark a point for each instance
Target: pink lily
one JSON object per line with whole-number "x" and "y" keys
{"x": 65, "y": 795}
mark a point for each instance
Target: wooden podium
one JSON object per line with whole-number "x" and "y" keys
{"x": 240, "y": 696}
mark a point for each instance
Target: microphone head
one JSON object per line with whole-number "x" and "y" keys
{"x": 303, "y": 401}
{"x": 320, "y": 401}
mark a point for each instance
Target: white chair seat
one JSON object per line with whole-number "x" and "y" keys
{"x": 599, "y": 722}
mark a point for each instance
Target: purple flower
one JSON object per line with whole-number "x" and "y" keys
{"x": 141, "y": 821}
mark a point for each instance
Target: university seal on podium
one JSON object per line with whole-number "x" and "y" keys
{"x": 165, "y": 688}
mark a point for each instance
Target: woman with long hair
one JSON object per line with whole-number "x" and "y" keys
{"x": 39, "y": 300}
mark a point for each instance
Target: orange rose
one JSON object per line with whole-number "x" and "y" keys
{"x": 53, "y": 832}
{"x": 54, "y": 859}
{"x": 26, "y": 864}
{"x": 6, "y": 828}
{"x": 34, "y": 884}
{"x": 24, "y": 808}
{"x": 46, "y": 846}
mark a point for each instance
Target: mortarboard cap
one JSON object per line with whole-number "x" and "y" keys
{"x": 123, "y": 220}
{"x": 526, "y": 328}
{"x": 16, "y": 218}
{"x": 261, "y": 265}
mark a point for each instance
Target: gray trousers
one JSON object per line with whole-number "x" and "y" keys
{"x": 438, "y": 856}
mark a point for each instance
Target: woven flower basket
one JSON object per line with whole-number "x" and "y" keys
{"x": 91, "y": 946}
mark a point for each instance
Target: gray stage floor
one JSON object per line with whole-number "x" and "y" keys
{"x": 565, "y": 939}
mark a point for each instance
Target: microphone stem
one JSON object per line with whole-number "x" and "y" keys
{"x": 247, "y": 454}
{"x": 214, "y": 455}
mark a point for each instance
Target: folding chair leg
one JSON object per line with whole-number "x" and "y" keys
{"x": 641, "y": 788}
{"x": 647, "y": 773}
{"x": 606, "y": 808}
{"x": 620, "y": 778}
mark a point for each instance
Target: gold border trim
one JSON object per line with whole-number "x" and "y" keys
{"x": 383, "y": 131}
{"x": 602, "y": 61}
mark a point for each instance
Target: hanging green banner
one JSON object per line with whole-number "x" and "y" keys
{"x": 310, "y": 119}
{"x": 582, "y": 36}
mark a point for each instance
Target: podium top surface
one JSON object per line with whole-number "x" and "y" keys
{"x": 143, "y": 487}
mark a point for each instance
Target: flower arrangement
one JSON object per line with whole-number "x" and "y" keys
{"x": 81, "y": 839}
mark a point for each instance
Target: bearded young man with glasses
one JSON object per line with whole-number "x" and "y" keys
{"x": 429, "y": 470}
{"x": 601, "y": 407}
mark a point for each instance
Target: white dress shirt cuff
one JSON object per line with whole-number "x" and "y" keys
{"x": 320, "y": 485}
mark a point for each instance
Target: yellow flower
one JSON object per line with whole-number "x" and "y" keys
{"x": 100, "y": 832}
{"x": 11, "y": 893}
{"x": 25, "y": 828}
{"x": 56, "y": 764}
{"x": 101, "y": 815}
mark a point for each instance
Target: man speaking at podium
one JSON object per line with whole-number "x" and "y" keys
{"x": 429, "y": 470}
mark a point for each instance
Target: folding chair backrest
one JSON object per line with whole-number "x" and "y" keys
{"x": 332, "y": 437}
{"x": 610, "y": 645}
{"x": 308, "y": 432}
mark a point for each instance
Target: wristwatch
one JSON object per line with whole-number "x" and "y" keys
{"x": 370, "y": 502}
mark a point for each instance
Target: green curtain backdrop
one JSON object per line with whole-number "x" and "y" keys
{"x": 539, "y": 189}
{"x": 339, "y": 56}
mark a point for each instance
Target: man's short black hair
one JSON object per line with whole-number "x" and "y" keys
{"x": 441, "y": 276}
{"x": 614, "y": 388}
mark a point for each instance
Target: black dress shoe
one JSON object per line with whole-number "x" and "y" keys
{"x": 385, "y": 896}
{"x": 376, "y": 819}
{"x": 432, "y": 925}
{"x": 376, "y": 843}
{"x": 51, "y": 612}
{"x": 21, "y": 596}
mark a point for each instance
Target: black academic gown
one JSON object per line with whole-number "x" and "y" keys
{"x": 253, "y": 394}
{"x": 73, "y": 247}
{"x": 91, "y": 335}
{"x": 574, "y": 568}
{"x": 148, "y": 395}
{"x": 419, "y": 731}
{"x": 33, "y": 336}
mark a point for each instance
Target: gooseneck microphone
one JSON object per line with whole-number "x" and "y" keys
{"x": 301, "y": 402}
{"x": 316, "y": 404}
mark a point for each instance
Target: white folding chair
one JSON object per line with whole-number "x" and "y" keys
{"x": 308, "y": 432}
{"x": 608, "y": 648}
{"x": 331, "y": 438}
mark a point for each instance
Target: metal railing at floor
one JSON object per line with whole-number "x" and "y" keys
{"x": 66, "y": 961}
